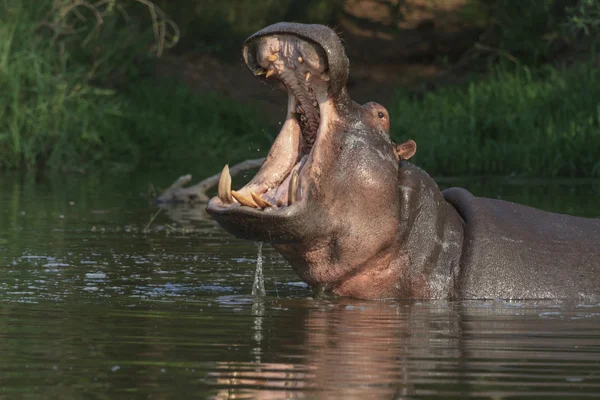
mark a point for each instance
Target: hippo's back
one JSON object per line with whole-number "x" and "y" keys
{"x": 513, "y": 251}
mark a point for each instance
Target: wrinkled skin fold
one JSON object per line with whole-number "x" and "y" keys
{"x": 339, "y": 200}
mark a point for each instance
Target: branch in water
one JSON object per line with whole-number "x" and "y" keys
{"x": 176, "y": 193}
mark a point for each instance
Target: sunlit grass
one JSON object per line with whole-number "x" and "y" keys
{"x": 46, "y": 115}
{"x": 54, "y": 111}
{"x": 537, "y": 123}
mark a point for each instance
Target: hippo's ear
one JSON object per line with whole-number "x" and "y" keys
{"x": 406, "y": 150}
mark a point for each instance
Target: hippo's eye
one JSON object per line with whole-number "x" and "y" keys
{"x": 380, "y": 114}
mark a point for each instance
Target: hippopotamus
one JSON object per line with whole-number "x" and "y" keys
{"x": 354, "y": 217}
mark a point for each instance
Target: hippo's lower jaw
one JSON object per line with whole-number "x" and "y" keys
{"x": 279, "y": 190}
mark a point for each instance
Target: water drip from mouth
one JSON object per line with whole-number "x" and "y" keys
{"x": 258, "y": 287}
{"x": 258, "y": 307}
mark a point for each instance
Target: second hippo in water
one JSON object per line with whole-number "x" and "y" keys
{"x": 337, "y": 198}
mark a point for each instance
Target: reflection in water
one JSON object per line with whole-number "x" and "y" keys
{"x": 187, "y": 215}
{"x": 272, "y": 381}
{"x": 93, "y": 304}
{"x": 384, "y": 350}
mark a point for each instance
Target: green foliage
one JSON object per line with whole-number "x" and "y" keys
{"x": 165, "y": 124}
{"x": 532, "y": 32}
{"x": 54, "y": 115}
{"x": 584, "y": 18}
{"x": 52, "y": 57}
{"x": 73, "y": 97}
{"x": 47, "y": 113}
{"x": 523, "y": 28}
{"x": 542, "y": 122}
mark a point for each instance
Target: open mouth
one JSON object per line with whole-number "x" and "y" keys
{"x": 301, "y": 67}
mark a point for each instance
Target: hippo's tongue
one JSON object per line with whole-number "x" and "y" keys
{"x": 302, "y": 67}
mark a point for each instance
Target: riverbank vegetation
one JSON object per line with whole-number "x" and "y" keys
{"x": 79, "y": 93}
{"x": 513, "y": 121}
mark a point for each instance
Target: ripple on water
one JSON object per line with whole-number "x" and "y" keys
{"x": 97, "y": 303}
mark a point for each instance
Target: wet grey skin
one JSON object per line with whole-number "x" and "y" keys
{"x": 339, "y": 200}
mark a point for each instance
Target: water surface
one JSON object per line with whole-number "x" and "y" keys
{"x": 100, "y": 297}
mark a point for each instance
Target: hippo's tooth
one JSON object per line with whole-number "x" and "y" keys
{"x": 272, "y": 58}
{"x": 307, "y": 76}
{"x": 262, "y": 203}
{"x": 325, "y": 76}
{"x": 293, "y": 188}
{"x": 260, "y": 71}
{"x": 224, "y": 189}
{"x": 243, "y": 200}
{"x": 300, "y": 60}
{"x": 270, "y": 72}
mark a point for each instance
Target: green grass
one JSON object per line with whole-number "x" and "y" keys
{"x": 543, "y": 122}
{"x": 169, "y": 125}
{"x": 51, "y": 113}
{"x": 57, "y": 113}
{"x": 46, "y": 115}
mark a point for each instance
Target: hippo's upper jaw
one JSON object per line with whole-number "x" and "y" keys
{"x": 266, "y": 207}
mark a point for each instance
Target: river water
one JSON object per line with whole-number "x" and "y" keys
{"x": 101, "y": 297}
